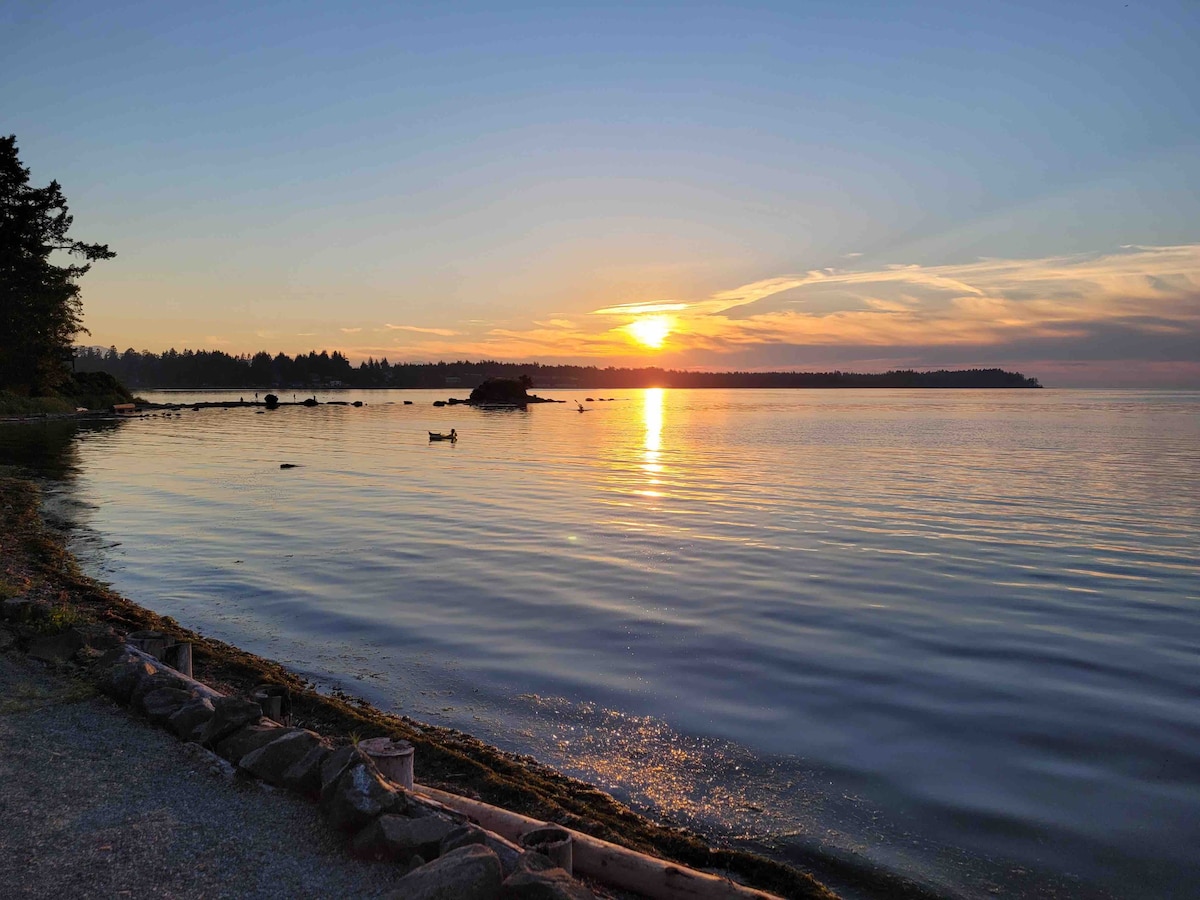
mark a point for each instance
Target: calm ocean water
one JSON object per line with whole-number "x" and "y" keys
{"x": 952, "y": 635}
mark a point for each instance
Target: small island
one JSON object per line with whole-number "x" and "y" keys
{"x": 501, "y": 393}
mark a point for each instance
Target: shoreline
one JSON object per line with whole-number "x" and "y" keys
{"x": 39, "y": 565}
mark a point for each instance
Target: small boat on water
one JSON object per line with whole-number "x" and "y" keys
{"x": 438, "y": 436}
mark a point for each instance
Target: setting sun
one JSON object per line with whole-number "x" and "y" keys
{"x": 650, "y": 331}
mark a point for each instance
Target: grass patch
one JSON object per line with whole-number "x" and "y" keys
{"x": 29, "y": 697}
{"x": 14, "y": 405}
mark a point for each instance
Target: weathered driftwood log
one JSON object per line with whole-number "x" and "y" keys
{"x": 197, "y": 687}
{"x": 607, "y": 863}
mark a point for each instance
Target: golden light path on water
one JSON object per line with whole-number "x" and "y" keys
{"x": 652, "y": 413}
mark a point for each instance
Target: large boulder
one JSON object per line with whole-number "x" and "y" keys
{"x": 229, "y": 715}
{"x": 353, "y": 792}
{"x": 151, "y": 683}
{"x": 272, "y": 761}
{"x": 397, "y": 838}
{"x": 159, "y": 705}
{"x": 507, "y": 852}
{"x": 548, "y": 884}
{"x": 188, "y": 721}
{"x": 304, "y": 775}
{"x": 469, "y": 873}
{"x": 123, "y": 674}
{"x": 249, "y": 738}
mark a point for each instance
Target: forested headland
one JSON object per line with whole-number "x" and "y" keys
{"x": 216, "y": 369}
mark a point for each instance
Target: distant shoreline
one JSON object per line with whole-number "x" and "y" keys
{"x": 215, "y": 369}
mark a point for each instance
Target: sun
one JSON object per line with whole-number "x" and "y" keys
{"x": 650, "y": 331}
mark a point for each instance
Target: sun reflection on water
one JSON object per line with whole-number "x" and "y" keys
{"x": 652, "y": 415}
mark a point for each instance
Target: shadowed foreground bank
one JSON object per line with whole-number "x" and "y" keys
{"x": 94, "y": 803}
{"x": 38, "y": 567}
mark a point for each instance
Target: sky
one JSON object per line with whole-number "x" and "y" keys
{"x": 800, "y": 185}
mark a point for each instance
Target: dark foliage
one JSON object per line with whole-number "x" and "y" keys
{"x": 40, "y": 308}
{"x": 214, "y": 368}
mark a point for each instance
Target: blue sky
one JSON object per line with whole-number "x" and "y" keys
{"x": 461, "y": 180}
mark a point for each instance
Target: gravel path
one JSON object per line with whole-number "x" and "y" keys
{"x": 96, "y": 803}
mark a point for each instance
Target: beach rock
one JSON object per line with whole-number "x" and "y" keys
{"x": 394, "y": 838}
{"x": 247, "y": 739}
{"x": 56, "y": 648}
{"x": 151, "y": 683}
{"x": 469, "y": 873}
{"x": 272, "y": 761}
{"x": 532, "y": 861}
{"x": 549, "y": 884}
{"x": 359, "y": 796}
{"x": 229, "y": 714}
{"x": 507, "y": 852}
{"x": 304, "y": 776}
{"x": 123, "y": 676}
{"x": 189, "y": 720}
{"x": 336, "y": 765}
{"x": 462, "y": 836}
{"x": 353, "y": 792}
{"x": 163, "y": 703}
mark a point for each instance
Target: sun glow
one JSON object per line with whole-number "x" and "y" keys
{"x": 650, "y": 331}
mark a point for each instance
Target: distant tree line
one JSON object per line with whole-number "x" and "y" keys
{"x": 217, "y": 369}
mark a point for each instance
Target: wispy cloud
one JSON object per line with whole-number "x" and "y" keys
{"x": 636, "y": 309}
{"x": 1136, "y": 303}
{"x": 442, "y": 332}
{"x": 351, "y": 330}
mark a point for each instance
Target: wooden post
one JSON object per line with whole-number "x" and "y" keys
{"x": 275, "y": 701}
{"x": 179, "y": 658}
{"x": 153, "y": 642}
{"x": 394, "y": 759}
